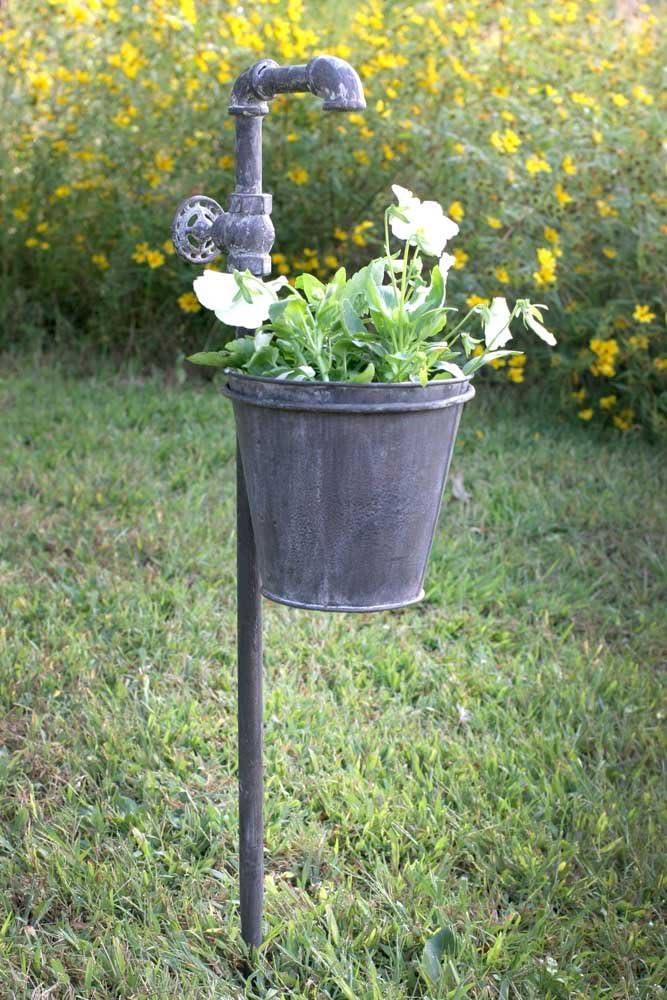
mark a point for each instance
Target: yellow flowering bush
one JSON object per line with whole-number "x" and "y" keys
{"x": 538, "y": 124}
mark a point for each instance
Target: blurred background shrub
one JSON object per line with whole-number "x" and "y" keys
{"x": 537, "y": 125}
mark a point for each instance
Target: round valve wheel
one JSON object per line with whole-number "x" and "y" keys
{"x": 192, "y": 227}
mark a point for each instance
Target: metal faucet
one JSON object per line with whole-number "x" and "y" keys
{"x": 201, "y": 231}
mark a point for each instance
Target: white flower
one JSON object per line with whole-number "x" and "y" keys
{"x": 532, "y": 317}
{"x": 445, "y": 263}
{"x": 238, "y": 299}
{"x": 452, "y": 369}
{"x": 421, "y": 223}
{"x": 497, "y": 325}
{"x": 405, "y": 198}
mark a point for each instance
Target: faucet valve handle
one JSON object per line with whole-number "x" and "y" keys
{"x": 198, "y": 229}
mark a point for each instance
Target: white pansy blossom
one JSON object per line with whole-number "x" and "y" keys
{"x": 446, "y": 262}
{"x": 421, "y": 223}
{"x": 237, "y": 299}
{"x": 532, "y": 317}
{"x": 497, "y": 325}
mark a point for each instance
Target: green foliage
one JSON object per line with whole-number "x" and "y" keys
{"x": 541, "y": 123}
{"x": 487, "y": 763}
{"x": 366, "y": 329}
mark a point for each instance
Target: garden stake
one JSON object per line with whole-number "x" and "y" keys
{"x": 201, "y": 230}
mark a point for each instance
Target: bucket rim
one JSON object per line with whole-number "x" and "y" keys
{"x": 316, "y": 384}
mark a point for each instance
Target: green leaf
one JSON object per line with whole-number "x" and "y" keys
{"x": 483, "y": 359}
{"x": 355, "y": 291}
{"x": 430, "y": 324}
{"x": 311, "y": 286}
{"x": 216, "y": 359}
{"x": 240, "y": 350}
{"x": 442, "y": 944}
{"x": 469, "y": 343}
{"x": 349, "y": 318}
{"x": 367, "y": 375}
{"x": 263, "y": 361}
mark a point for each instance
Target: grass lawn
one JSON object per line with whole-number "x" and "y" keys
{"x": 486, "y": 764}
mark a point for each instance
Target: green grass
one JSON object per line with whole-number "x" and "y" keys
{"x": 528, "y": 828}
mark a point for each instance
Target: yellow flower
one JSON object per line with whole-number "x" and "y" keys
{"x": 140, "y": 252}
{"x": 226, "y": 162}
{"x": 456, "y": 211}
{"x": 169, "y": 248}
{"x": 40, "y": 83}
{"x": 546, "y": 273}
{"x": 461, "y": 258}
{"x": 639, "y": 341}
{"x": 124, "y": 117}
{"x": 623, "y": 420}
{"x": 164, "y": 162}
{"x": 561, "y": 195}
{"x": 537, "y": 164}
{"x": 607, "y": 402}
{"x": 20, "y": 214}
{"x": 609, "y": 252}
{"x": 643, "y": 314}
{"x": 620, "y": 100}
{"x": 515, "y": 368}
{"x": 605, "y": 210}
{"x": 339, "y": 234}
{"x": 188, "y": 11}
{"x": 597, "y": 136}
{"x": 128, "y": 59}
{"x": 568, "y": 165}
{"x": 280, "y": 261}
{"x": 100, "y": 260}
{"x": 505, "y": 142}
{"x": 585, "y": 414}
{"x": 492, "y": 221}
{"x": 551, "y": 234}
{"x": 502, "y": 275}
{"x": 63, "y": 191}
{"x": 660, "y": 364}
{"x": 585, "y": 100}
{"x": 605, "y": 352}
{"x": 642, "y": 95}
{"x": 459, "y": 148}
{"x": 188, "y": 302}
{"x": 155, "y": 258}
{"x": 476, "y": 300}
{"x": 298, "y": 175}
{"x": 579, "y": 395}
{"x": 359, "y": 232}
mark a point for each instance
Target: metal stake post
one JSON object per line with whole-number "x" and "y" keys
{"x": 201, "y": 230}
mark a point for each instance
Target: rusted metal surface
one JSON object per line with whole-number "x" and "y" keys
{"x": 245, "y": 232}
{"x": 345, "y": 483}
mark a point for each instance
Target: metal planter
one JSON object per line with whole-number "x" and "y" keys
{"x": 345, "y": 484}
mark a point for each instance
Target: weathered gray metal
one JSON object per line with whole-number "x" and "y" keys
{"x": 345, "y": 484}
{"x": 201, "y": 230}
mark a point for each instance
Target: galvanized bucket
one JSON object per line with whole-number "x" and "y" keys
{"x": 345, "y": 483}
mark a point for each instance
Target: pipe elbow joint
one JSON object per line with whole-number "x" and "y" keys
{"x": 336, "y": 82}
{"x": 247, "y": 97}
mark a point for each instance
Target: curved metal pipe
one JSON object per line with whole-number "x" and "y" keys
{"x": 327, "y": 77}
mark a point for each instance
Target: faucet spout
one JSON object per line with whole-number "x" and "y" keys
{"x": 336, "y": 82}
{"x": 327, "y": 77}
